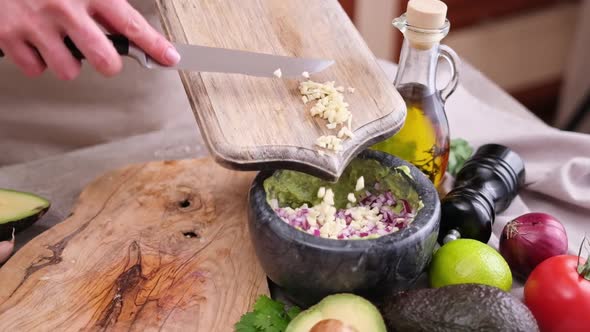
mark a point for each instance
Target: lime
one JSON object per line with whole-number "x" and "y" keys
{"x": 466, "y": 261}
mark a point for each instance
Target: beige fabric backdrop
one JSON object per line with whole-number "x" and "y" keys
{"x": 44, "y": 116}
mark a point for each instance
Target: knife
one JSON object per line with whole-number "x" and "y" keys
{"x": 212, "y": 59}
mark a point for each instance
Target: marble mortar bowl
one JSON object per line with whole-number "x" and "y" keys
{"x": 308, "y": 268}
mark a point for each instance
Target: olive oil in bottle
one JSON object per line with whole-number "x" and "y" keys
{"x": 424, "y": 139}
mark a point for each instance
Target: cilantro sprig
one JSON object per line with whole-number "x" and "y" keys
{"x": 460, "y": 152}
{"x": 267, "y": 316}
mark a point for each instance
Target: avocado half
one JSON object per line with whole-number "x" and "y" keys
{"x": 19, "y": 210}
{"x": 339, "y": 313}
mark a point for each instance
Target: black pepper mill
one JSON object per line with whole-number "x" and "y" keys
{"x": 485, "y": 186}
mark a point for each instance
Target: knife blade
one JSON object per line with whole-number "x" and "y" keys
{"x": 212, "y": 59}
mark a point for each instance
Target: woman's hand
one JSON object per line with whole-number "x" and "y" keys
{"x": 26, "y": 25}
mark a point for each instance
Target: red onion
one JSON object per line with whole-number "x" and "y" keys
{"x": 530, "y": 239}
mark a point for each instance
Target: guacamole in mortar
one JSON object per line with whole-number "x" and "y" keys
{"x": 339, "y": 210}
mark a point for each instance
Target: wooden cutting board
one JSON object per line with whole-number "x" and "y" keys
{"x": 237, "y": 114}
{"x": 158, "y": 246}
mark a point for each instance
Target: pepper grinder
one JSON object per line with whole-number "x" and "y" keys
{"x": 485, "y": 186}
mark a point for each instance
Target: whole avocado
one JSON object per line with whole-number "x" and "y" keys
{"x": 464, "y": 307}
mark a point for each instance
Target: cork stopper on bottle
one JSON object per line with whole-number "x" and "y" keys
{"x": 426, "y": 14}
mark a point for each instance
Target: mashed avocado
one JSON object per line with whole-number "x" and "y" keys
{"x": 293, "y": 189}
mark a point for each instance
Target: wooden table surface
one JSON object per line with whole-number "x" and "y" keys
{"x": 61, "y": 178}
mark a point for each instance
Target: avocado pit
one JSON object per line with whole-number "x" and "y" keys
{"x": 339, "y": 313}
{"x": 332, "y": 325}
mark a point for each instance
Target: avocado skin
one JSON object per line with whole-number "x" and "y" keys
{"x": 19, "y": 225}
{"x": 456, "y": 308}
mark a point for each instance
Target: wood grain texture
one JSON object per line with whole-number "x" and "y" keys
{"x": 236, "y": 113}
{"x": 162, "y": 246}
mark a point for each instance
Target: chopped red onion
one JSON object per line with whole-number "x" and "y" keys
{"x": 379, "y": 206}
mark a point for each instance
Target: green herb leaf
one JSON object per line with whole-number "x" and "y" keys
{"x": 246, "y": 323}
{"x": 460, "y": 152}
{"x": 267, "y": 316}
{"x": 263, "y": 321}
{"x": 272, "y": 323}
{"x": 267, "y": 305}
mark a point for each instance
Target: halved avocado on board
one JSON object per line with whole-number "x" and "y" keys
{"x": 339, "y": 313}
{"x": 19, "y": 210}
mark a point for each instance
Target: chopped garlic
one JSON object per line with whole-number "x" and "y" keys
{"x": 312, "y": 221}
{"x": 304, "y": 99}
{"x": 360, "y": 184}
{"x": 351, "y": 198}
{"x": 329, "y": 197}
{"x": 321, "y": 192}
{"x": 274, "y": 203}
{"x": 332, "y": 126}
{"x": 330, "y": 105}
{"x": 278, "y": 73}
{"x": 351, "y": 89}
{"x": 345, "y": 132}
{"x": 329, "y": 142}
{"x": 305, "y": 74}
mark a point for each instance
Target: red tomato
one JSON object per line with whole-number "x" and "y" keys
{"x": 558, "y": 296}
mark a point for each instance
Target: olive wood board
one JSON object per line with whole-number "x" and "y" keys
{"x": 237, "y": 114}
{"x": 161, "y": 246}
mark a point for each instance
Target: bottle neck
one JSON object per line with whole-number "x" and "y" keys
{"x": 417, "y": 66}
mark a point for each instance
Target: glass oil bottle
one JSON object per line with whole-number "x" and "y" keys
{"x": 424, "y": 139}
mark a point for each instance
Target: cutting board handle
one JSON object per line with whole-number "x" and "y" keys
{"x": 120, "y": 42}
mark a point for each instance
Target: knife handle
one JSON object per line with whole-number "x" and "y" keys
{"x": 120, "y": 42}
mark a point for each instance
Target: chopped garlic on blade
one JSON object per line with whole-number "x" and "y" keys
{"x": 332, "y": 126}
{"x": 278, "y": 73}
{"x": 305, "y": 74}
